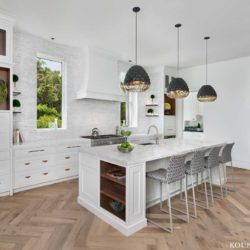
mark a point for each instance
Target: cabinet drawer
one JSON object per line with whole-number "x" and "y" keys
{"x": 27, "y": 164}
{"x": 64, "y": 172}
{"x": 28, "y": 178}
{"x": 4, "y": 156}
{"x": 67, "y": 157}
{"x": 33, "y": 152}
{"x": 4, "y": 167}
{"x": 4, "y": 140}
{"x": 4, "y": 183}
{"x": 5, "y": 122}
{"x": 74, "y": 148}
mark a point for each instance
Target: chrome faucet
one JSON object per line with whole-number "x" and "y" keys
{"x": 157, "y": 133}
{"x": 95, "y": 132}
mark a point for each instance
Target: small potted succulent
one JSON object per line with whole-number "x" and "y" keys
{"x": 150, "y": 111}
{"x": 15, "y": 79}
{"x": 16, "y": 105}
{"x": 3, "y": 91}
{"x": 125, "y": 147}
{"x": 152, "y": 98}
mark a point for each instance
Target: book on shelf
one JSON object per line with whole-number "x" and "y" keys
{"x": 117, "y": 174}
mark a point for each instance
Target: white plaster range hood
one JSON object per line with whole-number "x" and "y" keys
{"x": 101, "y": 78}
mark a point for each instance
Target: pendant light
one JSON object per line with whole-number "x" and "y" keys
{"x": 177, "y": 88}
{"x": 206, "y": 93}
{"x": 136, "y": 79}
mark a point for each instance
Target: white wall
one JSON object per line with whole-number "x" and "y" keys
{"x": 228, "y": 118}
{"x": 83, "y": 115}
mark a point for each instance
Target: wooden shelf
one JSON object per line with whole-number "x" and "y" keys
{"x": 152, "y": 105}
{"x": 119, "y": 181}
{"x": 152, "y": 115}
{"x": 114, "y": 195}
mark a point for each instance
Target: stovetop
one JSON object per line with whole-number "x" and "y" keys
{"x": 101, "y": 140}
{"x": 100, "y": 136}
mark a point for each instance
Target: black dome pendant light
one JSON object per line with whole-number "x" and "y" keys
{"x": 136, "y": 79}
{"x": 206, "y": 93}
{"x": 177, "y": 88}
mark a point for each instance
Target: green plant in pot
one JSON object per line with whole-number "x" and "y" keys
{"x": 125, "y": 147}
{"x": 3, "y": 91}
{"x": 16, "y": 105}
{"x": 15, "y": 79}
{"x": 152, "y": 98}
{"x": 150, "y": 111}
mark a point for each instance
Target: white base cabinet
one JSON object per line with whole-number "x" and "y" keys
{"x": 40, "y": 165}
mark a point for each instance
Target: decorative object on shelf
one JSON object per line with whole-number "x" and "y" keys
{"x": 15, "y": 79}
{"x": 167, "y": 106}
{"x": 117, "y": 206}
{"x": 206, "y": 93}
{"x": 125, "y": 147}
{"x": 17, "y": 136}
{"x": 152, "y": 98}
{"x": 177, "y": 88}
{"x": 136, "y": 79}
{"x": 3, "y": 91}
{"x": 150, "y": 111}
{"x": 16, "y": 105}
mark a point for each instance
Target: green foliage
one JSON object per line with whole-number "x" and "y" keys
{"x": 152, "y": 96}
{"x": 16, "y": 103}
{"x": 125, "y": 133}
{"x": 150, "y": 111}
{"x": 43, "y": 121}
{"x": 15, "y": 78}
{"x": 3, "y": 91}
{"x": 43, "y": 109}
{"x": 123, "y": 112}
{"x": 49, "y": 95}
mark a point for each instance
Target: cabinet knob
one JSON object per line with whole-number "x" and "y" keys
{"x": 67, "y": 169}
{"x": 45, "y": 161}
{"x": 67, "y": 157}
{"x": 45, "y": 173}
{"x": 27, "y": 163}
{"x": 27, "y": 177}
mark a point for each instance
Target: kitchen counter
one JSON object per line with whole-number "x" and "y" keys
{"x": 98, "y": 190}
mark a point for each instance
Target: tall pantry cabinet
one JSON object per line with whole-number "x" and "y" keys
{"x": 6, "y": 88}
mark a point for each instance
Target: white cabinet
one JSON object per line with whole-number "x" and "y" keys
{"x": 102, "y": 77}
{"x": 6, "y": 33}
{"x": 193, "y": 135}
{"x": 169, "y": 125}
{"x": 34, "y": 166}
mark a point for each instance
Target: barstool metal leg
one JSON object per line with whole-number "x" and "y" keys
{"x": 221, "y": 188}
{"x": 211, "y": 186}
{"x": 194, "y": 200}
{"x": 225, "y": 178}
{"x": 205, "y": 185}
{"x": 169, "y": 209}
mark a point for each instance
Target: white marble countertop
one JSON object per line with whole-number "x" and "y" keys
{"x": 144, "y": 153}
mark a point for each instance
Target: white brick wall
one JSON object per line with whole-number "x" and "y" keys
{"x": 83, "y": 115}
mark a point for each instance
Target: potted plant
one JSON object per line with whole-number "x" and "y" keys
{"x": 15, "y": 79}
{"x": 152, "y": 98}
{"x": 16, "y": 105}
{"x": 150, "y": 111}
{"x": 125, "y": 147}
{"x": 3, "y": 91}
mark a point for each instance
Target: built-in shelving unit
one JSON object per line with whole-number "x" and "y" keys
{"x": 113, "y": 189}
{"x": 152, "y": 110}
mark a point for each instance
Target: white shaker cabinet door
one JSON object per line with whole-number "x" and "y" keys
{"x": 4, "y": 131}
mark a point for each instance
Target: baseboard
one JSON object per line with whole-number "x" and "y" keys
{"x": 16, "y": 190}
{"x": 112, "y": 220}
{"x": 4, "y": 194}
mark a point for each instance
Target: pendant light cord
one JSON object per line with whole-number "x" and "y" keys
{"x": 206, "y": 39}
{"x": 206, "y": 61}
{"x": 136, "y": 38}
{"x": 178, "y": 51}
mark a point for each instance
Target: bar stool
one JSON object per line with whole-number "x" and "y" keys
{"x": 174, "y": 172}
{"x": 212, "y": 161}
{"x": 195, "y": 167}
{"x": 226, "y": 157}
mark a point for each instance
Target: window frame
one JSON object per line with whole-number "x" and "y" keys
{"x": 64, "y": 90}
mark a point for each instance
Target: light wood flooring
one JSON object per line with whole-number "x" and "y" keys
{"x": 50, "y": 218}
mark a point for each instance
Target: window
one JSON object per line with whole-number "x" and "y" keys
{"x": 50, "y": 93}
{"x": 129, "y": 109}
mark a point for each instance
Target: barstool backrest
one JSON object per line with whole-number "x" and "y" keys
{"x": 213, "y": 157}
{"x": 226, "y": 155}
{"x": 176, "y": 168}
{"x": 197, "y": 163}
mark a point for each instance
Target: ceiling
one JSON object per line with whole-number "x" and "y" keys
{"x": 109, "y": 24}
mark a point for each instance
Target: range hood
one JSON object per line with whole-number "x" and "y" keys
{"x": 101, "y": 77}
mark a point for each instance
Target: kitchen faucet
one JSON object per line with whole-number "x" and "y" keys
{"x": 157, "y": 133}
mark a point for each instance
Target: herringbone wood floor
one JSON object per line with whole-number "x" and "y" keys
{"x": 50, "y": 218}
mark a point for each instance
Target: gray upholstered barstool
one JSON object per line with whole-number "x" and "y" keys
{"x": 226, "y": 157}
{"x": 175, "y": 171}
{"x": 212, "y": 161}
{"x": 195, "y": 167}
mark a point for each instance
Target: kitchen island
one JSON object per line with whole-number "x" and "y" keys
{"x": 99, "y": 191}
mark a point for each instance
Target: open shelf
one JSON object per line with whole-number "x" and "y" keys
{"x": 113, "y": 189}
{"x": 152, "y": 105}
{"x": 16, "y": 93}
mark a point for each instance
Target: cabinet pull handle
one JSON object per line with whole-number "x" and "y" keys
{"x": 67, "y": 157}
{"x": 67, "y": 169}
{"x": 45, "y": 161}
{"x": 34, "y": 151}
{"x": 27, "y": 163}
{"x": 73, "y": 146}
{"x": 45, "y": 173}
{"x": 27, "y": 177}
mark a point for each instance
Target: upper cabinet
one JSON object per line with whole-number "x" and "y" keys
{"x": 102, "y": 77}
{"x": 6, "y": 33}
